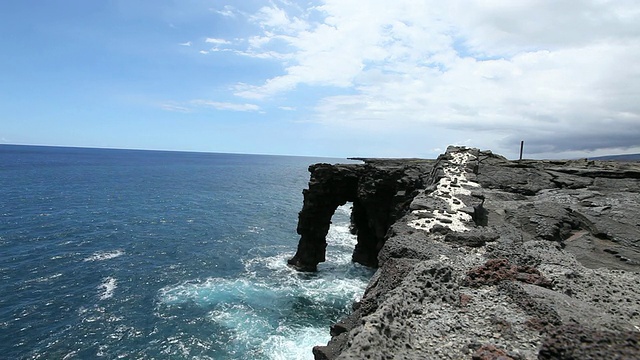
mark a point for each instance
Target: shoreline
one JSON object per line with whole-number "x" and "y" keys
{"x": 487, "y": 257}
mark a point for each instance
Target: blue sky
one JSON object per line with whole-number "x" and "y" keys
{"x": 325, "y": 78}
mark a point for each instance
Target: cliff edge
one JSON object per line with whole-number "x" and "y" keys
{"x": 480, "y": 257}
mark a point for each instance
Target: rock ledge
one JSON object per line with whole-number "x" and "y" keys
{"x": 480, "y": 257}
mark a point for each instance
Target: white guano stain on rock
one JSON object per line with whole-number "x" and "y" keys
{"x": 453, "y": 184}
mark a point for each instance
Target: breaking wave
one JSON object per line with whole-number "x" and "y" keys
{"x": 273, "y": 311}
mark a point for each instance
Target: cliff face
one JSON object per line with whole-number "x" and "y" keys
{"x": 380, "y": 191}
{"x": 480, "y": 257}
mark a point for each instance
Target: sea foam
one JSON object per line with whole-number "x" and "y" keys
{"x": 275, "y": 312}
{"x": 107, "y": 288}
{"x": 105, "y": 255}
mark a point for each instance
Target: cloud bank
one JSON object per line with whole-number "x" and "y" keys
{"x": 562, "y": 75}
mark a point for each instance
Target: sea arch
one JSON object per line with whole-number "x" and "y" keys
{"x": 380, "y": 192}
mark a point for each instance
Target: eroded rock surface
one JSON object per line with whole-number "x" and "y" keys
{"x": 486, "y": 258}
{"x": 380, "y": 190}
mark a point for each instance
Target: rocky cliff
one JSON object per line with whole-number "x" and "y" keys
{"x": 380, "y": 190}
{"x": 480, "y": 257}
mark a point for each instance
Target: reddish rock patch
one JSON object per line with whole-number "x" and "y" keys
{"x": 465, "y": 300}
{"x": 490, "y": 352}
{"x": 497, "y": 270}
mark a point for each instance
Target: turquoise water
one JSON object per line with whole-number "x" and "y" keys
{"x": 140, "y": 254}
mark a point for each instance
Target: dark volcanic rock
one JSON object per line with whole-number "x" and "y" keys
{"x": 330, "y": 186}
{"x": 387, "y": 278}
{"x": 380, "y": 191}
{"x": 472, "y": 238}
{"x": 577, "y": 342}
{"x": 485, "y": 258}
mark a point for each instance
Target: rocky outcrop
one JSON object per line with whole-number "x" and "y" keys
{"x": 380, "y": 190}
{"x": 486, "y": 258}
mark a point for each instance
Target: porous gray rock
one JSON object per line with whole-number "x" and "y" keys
{"x": 578, "y": 342}
{"x": 548, "y": 270}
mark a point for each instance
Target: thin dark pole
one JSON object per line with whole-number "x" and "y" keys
{"x": 521, "y": 147}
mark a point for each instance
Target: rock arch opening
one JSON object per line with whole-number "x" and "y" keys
{"x": 341, "y": 239}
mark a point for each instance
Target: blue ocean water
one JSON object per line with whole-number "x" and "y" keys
{"x": 156, "y": 255}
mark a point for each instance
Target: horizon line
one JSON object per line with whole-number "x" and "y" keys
{"x": 172, "y": 150}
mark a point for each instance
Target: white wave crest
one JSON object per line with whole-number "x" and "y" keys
{"x": 295, "y": 344}
{"x": 255, "y": 229}
{"x": 105, "y": 255}
{"x": 107, "y": 288}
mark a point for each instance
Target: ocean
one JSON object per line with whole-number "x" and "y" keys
{"x": 162, "y": 255}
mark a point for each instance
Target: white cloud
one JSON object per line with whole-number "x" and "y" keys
{"x": 274, "y": 17}
{"x": 563, "y": 75}
{"x": 218, "y": 45}
{"x": 226, "y": 105}
{"x": 504, "y": 27}
{"x": 170, "y": 106}
{"x": 188, "y": 43}
{"x": 216, "y": 41}
{"x": 227, "y": 11}
{"x": 190, "y": 106}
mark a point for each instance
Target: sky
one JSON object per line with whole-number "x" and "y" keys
{"x": 336, "y": 78}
